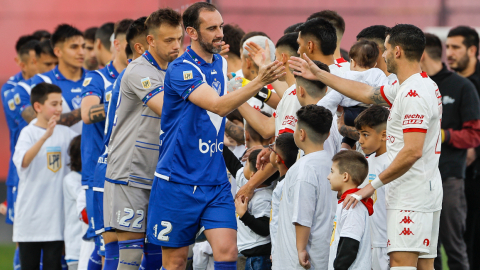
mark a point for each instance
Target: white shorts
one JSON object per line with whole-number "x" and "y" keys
{"x": 413, "y": 231}
{"x": 380, "y": 259}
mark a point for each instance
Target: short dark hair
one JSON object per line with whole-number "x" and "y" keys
{"x": 121, "y": 27}
{"x": 161, "y": 16}
{"x": 128, "y": 51}
{"x": 235, "y": 115}
{"x": 44, "y": 47}
{"x": 191, "y": 16}
{"x": 365, "y": 53}
{"x": 332, "y": 17}
{"x": 253, "y": 133}
{"x": 27, "y": 47}
{"x": 64, "y": 32}
{"x": 316, "y": 120}
{"x": 353, "y": 163}
{"x": 136, "y": 29}
{"x": 470, "y": 36}
{"x": 410, "y": 38}
{"x": 104, "y": 33}
{"x": 292, "y": 28}
{"x": 75, "y": 155}
{"x": 323, "y": 32}
{"x": 374, "y": 117}
{"x": 39, "y": 34}
{"x": 232, "y": 35}
{"x": 40, "y": 92}
{"x": 314, "y": 88}
{"x": 252, "y": 34}
{"x": 289, "y": 41}
{"x": 433, "y": 46}
{"x": 22, "y": 40}
{"x": 375, "y": 32}
{"x": 89, "y": 34}
{"x": 287, "y": 149}
{"x": 252, "y": 160}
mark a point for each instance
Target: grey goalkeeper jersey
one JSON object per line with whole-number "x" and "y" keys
{"x": 134, "y": 144}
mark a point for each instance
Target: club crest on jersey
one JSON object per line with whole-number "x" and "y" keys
{"x": 146, "y": 83}
{"x": 76, "y": 102}
{"x": 16, "y": 98}
{"x": 11, "y": 104}
{"x": 87, "y": 81}
{"x": 217, "y": 86}
{"x": 187, "y": 75}
{"x": 108, "y": 96}
{"x": 54, "y": 158}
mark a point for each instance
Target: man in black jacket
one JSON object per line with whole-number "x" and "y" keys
{"x": 462, "y": 56}
{"x": 460, "y": 131}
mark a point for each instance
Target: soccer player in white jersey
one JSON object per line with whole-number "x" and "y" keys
{"x": 414, "y": 196}
{"x": 372, "y": 125}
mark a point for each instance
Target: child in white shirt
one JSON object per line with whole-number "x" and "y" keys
{"x": 41, "y": 157}
{"x": 350, "y": 242}
{"x": 372, "y": 125}
{"x": 305, "y": 214}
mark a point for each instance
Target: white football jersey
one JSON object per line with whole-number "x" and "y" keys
{"x": 416, "y": 106}
{"x": 286, "y": 113}
{"x": 343, "y": 64}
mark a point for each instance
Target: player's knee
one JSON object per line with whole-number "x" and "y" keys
{"x": 175, "y": 262}
{"x": 227, "y": 253}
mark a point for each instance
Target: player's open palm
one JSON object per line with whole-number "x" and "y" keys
{"x": 304, "y": 259}
{"x": 50, "y": 126}
{"x": 256, "y": 53}
{"x": 271, "y": 72}
{"x": 304, "y": 67}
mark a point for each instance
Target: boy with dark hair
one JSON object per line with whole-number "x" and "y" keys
{"x": 350, "y": 242}
{"x": 46, "y": 59}
{"x": 306, "y": 204}
{"x": 39, "y": 205}
{"x": 232, "y": 35}
{"x": 339, "y": 24}
{"x": 372, "y": 125}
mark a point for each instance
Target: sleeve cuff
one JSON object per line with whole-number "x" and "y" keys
{"x": 447, "y": 135}
{"x": 190, "y": 89}
{"x": 152, "y": 94}
{"x": 90, "y": 93}
{"x": 384, "y": 96}
{"x": 421, "y": 130}
{"x": 247, "y": 218}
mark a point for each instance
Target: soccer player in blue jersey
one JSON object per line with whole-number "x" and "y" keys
{"x": 95, "y": 99}
{"x": 69, "y": 46}
{"x": 102, "y": 43}
{"x": 191, "y": 188}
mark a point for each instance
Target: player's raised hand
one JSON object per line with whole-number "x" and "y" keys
{"x": 256, "y": 53}
{"x": 249, "y": 151}
{"x": 304, "y": 67}
{"x": 263, "y": 158}
{"x": 304, "y": 259}
{"x": 50, "y": 126}
{"x": 225, "y": 49}
{"x": 271, "y": 72}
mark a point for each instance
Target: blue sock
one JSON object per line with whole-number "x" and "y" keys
{"x": 64, "y": 263}
{"x": 111, "y": 256}
{"x": 95, "y": 261}
{"x": 41, "y": 260}
{"x": 152, "y": 257}
{"x": 225, "y": 265}
{"x": 130, "y": 252}
{"x": 16, "y": 260}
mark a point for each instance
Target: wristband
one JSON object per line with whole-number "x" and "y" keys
{"x": 263, "y": 95}
{"x": 377, "y": 183}
{"x": 356, "y": 196}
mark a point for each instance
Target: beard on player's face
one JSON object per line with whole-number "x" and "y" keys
{"x": 209, "y": 46}
{"x": 461, "y": 64}
{"x": 391, "y": 64}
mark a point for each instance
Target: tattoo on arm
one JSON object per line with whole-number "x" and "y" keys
{"x": 235, "y": 132}
{"x": 71, "y": 118}
{"x": 350, "y": 132}
{"x": 377, "y": 98}
{"x": 96, "y": 113}
{"x": 29, "y": 114}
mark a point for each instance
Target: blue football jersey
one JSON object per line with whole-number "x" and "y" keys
{"x": 191, "y": 137}
{"x": 95, "y": 84}
{"x": 101, "y": 169}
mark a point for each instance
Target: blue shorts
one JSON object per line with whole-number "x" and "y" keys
{"x": 11, "y": 198}
{"x": 98, "y": 212}
{"x": 177, "y": 211}
{"x": 90, "y": 210}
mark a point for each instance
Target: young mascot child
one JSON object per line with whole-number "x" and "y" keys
{"x": 41, "y": 157}
{"x": 305, "y": 215}
{"x": 372, "y": 125}
{"x": 350, "y": 243}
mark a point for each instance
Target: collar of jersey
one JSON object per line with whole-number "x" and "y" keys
{"x": 151, "y": 60}
{"x": 59, "y": 75}
{"x": 197, "y": 59}
{"x": 111, "y": 70}
{"x": 19, "y": 77}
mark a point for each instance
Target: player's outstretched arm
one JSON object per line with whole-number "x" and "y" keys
{"x": 235, "y": 132}
{"x": 92, "y": 110}
{"x": 352, "y": 89}
{"x": 264, "y": 125}
{"x": 207, "y": 98}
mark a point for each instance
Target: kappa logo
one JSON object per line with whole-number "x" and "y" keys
{"x": 407, "y": 220}
{"x": 406, "y": 231}
{"x": 426, "y": 242}
{"x": 412, "y": 93}
{"x": 388, "y": 243}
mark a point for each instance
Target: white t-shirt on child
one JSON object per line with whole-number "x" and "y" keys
{"x": 306, "y": 200}
{"x": 39, "y": 213}
{"x": 72, "y": 200}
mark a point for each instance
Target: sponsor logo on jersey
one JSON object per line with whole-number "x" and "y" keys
{"x": 86, "y": 81}
{"x": 414, "y": 116}
{"x": 213, "y": 72}
{"x": 146, "y": 83}
{"x": 187, "y": 75}
{"x": 406, "y": 231}
{"x": 289, "y": 120}
{"x": 412, "y": 121}
{"x": 210, "y": 147}
{"x": 54, "y": 158}
{"x": 407, "y": 220}
{"x": 76, "y": 90}
{"x": 11, "y": 104}
{"x": 412, "y": 93}
{"x": 448, "y": 100}
{"x": 17, "y": 99}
